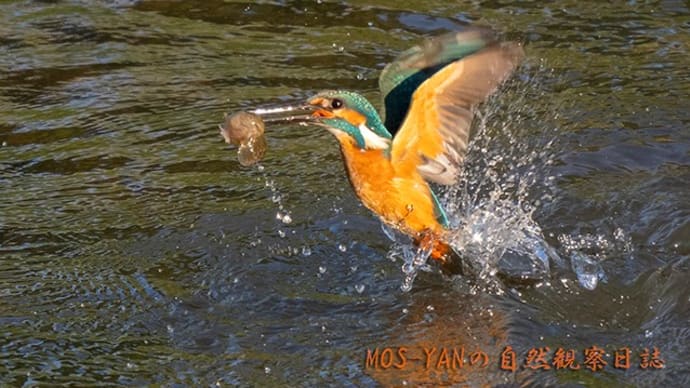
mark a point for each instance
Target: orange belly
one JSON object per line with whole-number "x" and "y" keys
{"x": 404, "y": 202}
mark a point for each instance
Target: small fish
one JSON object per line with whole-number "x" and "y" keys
{"x": 246, "y": 130}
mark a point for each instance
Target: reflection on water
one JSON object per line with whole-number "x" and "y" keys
{"x": 135, "y": 250}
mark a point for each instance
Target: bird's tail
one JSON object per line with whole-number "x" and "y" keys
{"x": 449, "y": 259}
{"x": 453, "y": 263}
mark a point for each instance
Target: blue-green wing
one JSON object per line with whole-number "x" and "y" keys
{"x": 402, "y": 77}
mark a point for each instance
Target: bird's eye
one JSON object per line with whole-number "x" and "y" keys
{"x": 336, "y": 103}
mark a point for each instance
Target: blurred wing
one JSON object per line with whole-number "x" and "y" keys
{"x": 433, "y": 138}
{"x": 400, "y": 79}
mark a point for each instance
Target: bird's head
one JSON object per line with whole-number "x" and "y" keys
{"x": 350, "y": 117}
{"x": 347, "y": 115}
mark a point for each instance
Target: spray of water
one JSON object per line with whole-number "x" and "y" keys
{"x": 506, "y": 178}
{"x": 587, "y": 252}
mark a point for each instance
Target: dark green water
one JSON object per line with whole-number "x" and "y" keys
{"x": 135, "y": 250}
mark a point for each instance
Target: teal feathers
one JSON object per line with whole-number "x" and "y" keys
{"x": 409, "y": 70}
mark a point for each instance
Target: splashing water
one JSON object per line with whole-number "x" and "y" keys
{"x": 504, "y": 180}
{"x": 413, "y": 263}
{"x": 587, "y": 252}
{"x": 283, "y": 214}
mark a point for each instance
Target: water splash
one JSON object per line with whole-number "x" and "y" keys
{"x": 414, "y": 261}
{"x": 388, "y": 231}
{"x": 587, "y": 252}
{"x": 283, "y": 215}
{"x": 414, "y": 258}
{"x": 587, "y": 269}
{"x": 504, "y": 181}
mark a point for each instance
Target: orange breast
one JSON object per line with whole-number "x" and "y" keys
{"x": 401, "y": 199}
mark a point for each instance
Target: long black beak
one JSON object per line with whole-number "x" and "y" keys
{"x": 285, "y": 113}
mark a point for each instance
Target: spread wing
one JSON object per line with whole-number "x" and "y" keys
{"x": 434, "y": 135}
{"x": 400, "y": 78}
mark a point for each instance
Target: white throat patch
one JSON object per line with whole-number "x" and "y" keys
{"x": 372, "y": 140}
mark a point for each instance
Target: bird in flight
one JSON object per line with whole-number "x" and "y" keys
{"x": 430, "y": 93}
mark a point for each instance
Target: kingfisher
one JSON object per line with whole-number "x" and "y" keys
{"x": 430, "y": 94}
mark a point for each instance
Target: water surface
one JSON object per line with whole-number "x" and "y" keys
{"x": 135, "y": 250}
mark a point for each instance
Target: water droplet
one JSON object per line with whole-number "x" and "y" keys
{"x": 477, "y": 238}
{"x": 587, "y": 269}
{"x": 408, "y": 268}
{"x": 360, "y": 76}
{"x": 306, "y": 251}
{"x": 407, "y": 282}
{"x": 405, "y": 311}
{"x": 322, "y": 270}
{"x": 359, "y": 288}
{"x": 388, "y": 231}
{"x": 281, "y": 233}
{"x": 342, "y": 247}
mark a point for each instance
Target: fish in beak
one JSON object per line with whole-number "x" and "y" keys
{"x": 245, "y": 129}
